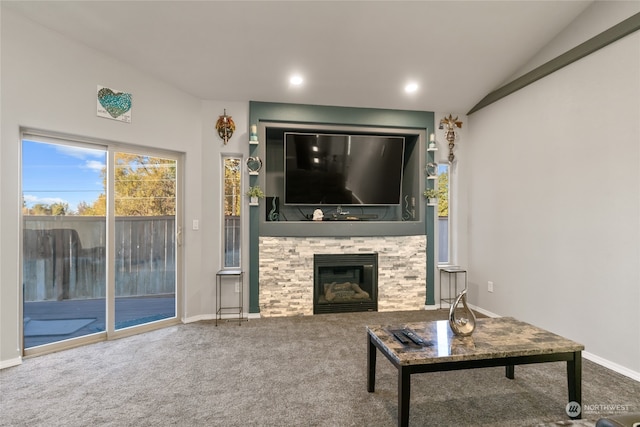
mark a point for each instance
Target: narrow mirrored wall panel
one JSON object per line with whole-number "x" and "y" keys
{"x": 64, "y": 240}
{"x": 145, "y": 239}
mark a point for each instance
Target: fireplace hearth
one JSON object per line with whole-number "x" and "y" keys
{"x": 345, "y": 283}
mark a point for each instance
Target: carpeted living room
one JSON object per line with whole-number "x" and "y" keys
{"x": 445, "y": 231}
{"x": 285, "y": 371}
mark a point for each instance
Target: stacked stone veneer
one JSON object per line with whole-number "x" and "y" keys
{"x": 286, "y": 271}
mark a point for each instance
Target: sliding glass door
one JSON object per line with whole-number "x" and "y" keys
{"x": 64, "y": 241}
{"x": 145, "y": 246}
{"x": 99, "y": 250}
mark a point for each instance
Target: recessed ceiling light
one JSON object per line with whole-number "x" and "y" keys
{"x": 296, "y": 80}
{"x": 411, "y": 87}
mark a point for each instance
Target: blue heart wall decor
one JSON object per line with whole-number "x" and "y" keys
{"x": 116, "y": 103}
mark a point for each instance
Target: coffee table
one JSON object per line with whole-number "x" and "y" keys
{"x": 502, "y": 341}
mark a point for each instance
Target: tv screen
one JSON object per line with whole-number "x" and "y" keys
{"x": 333, "y": 169}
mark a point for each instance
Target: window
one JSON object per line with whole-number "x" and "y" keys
{"x": 444, "y": 224}
{"x": 232, "y": 186}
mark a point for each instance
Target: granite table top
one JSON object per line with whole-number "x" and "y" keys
{"x": 493, "y": 338}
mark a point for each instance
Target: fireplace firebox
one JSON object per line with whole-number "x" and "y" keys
{"x": 345, "y": 283}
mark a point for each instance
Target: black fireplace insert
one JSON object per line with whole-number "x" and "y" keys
{"x": 345, "y": 283}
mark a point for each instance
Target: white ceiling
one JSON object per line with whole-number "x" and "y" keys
{"x": 351, "y": 53}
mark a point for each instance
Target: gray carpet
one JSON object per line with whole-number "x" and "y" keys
{"x": 297, "y": 371}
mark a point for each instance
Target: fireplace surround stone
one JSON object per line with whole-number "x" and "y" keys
{"x": 286, "y": 271}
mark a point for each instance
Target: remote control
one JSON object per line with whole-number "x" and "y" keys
{"x": 400, "y": 337}
{"x": 412, "y": 336}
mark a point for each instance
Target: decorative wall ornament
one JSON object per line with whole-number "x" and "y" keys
{"x": 114, "y": 104}
{"x": 274, "y": 215}
{"x": 450, "y": 134}
{"x": 432, "y": 141}
{"x": 254, "y": 164}
{"x": 462, "y": 320}
{"x": 432, "y": 169}
{"x": 225, "y": 127}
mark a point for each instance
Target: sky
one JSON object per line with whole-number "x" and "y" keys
{"x": 53, "y": 173}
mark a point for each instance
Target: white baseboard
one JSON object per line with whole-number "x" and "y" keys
{"x": 11, "y": 362}
{"x": 431, "y": 307}
{"x": 198, "y": 318}
{"x": 589, "y": 356}
{"x": 611, "y": 365}
{"x": 201, "y": 317}
{"x": 483, "y": 311}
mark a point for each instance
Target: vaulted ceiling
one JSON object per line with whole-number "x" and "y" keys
{"x": 350, "y": 53}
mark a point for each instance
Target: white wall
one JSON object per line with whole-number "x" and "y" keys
{"x": 598, "y": 17}
{"x": 49, "y": 83}
{"x": 213, "y": 149}
{"x": 10, "y": 352}
{"x": 553, "y": 192}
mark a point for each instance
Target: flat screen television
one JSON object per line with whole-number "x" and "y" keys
{"x": 335, "y": 169}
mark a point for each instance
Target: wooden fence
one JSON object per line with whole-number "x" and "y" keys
{"x": 64, "y": 257}
{"x": 232, "y": 241}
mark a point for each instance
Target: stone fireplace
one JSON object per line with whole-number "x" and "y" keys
{"x": 345, "y": 283}
{"x": 286, "y": 267}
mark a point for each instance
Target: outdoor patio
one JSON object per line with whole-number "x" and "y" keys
{"x": 50, "y": 321}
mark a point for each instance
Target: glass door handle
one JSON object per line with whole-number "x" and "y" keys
{"x": 179, "y": 235}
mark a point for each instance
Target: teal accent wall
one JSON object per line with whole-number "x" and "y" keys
{"x": 343, "y": 116}
{"x": 300, "y": 113}
{"x": 430, "y": 224}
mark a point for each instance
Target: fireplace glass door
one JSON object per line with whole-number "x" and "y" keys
{"x": 345, "y": 283}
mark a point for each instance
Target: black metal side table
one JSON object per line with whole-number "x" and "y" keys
{"x": 452, "y": 271}
{"x": 220, "y": 276}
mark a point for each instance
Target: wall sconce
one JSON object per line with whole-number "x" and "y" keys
{"x": 450, "y": 133}
{"x": 225, "y": 127}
